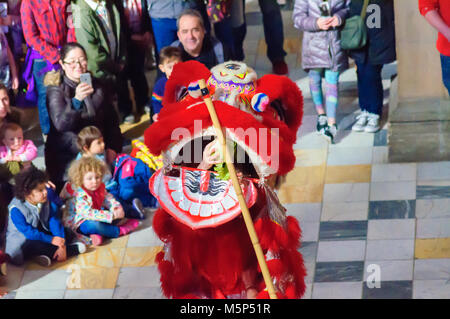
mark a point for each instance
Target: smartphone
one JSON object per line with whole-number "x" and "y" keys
{"x": 325, "y": 9}
{"x": 86, "y": 78}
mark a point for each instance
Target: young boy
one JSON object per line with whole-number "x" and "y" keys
{"x": 168, "y": 57}
{"x": 34, "y": 228}
{"x": 16, "y": 153}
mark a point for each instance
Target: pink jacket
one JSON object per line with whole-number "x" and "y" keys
{"x": 26, "y": 153}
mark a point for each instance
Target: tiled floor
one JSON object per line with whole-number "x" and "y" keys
{"x": 371, "y": 229}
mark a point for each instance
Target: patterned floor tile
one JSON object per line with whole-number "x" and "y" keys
{"x": 44, "y": 280}
{"x": 389, "y": 270}
{"x": 433, "y": 208}
{"x": 433, "y": 171}
{"x": 310, "y": 231}
{"x": 392, "y": 190}
{"x": 305, "y": 176}
{"x": 354, "y": 139}
{"x": 310, "y": 270}
{"x": 343, "y": 230}
{"x": 433, "y": 189}
{"x": 338, "y": 193}
{"x": 311, "y": 157}
{"x": 433, "y": 228}
{"x": 337, "y": 290}
{"x": 344, "y": 211}
{"x": 308, "y": 291}
{"x": 304, "y": 212}
{"x": 140, "y": 256}
{"x": 380, "y": 138}
{"x": 398, "y": 209}
{"x": 309, "y": 251}
{"x": 301, "y": 194}
{"x": 138, "y": 277}
{"x": 349, "y": 156}
{"x": 101, "y": 257}
{"x": 352, "y": 250}
{"x": 94, "y": 278}
{"x": 432, "y": 248}
{"x": 13, "y": 278}
{"x": 431, "y": 289}
{"x": 40, "y": 294}
{"x": 431, "y": 269}
{"x": 348, "y": 174}
{"x": 393, "y": 172}
{"x": 391, "y": 229}
{"x": 138, "y": 293}
{"x": 389, "y": 290}
{"x": 380, "y": 155}
{"x": 339, "y": 271}
{"x": 390, "y": 249}
{"x": 89, "y": 294}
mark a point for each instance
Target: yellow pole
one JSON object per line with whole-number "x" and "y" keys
{"x": 237, "y": 187}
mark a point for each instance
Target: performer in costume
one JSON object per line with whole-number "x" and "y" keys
{"x": 208, "y": 252}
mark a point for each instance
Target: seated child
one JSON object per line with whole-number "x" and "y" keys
{"x": 16, "y": 153}
{"x": 92, "y": 211}
{"x": 34, "y": 228}
{"x": 168, "y": 57}
{"x": 91, "y": 144}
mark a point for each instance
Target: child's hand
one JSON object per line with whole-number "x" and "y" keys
{"x": 155, "y": 117}
{"x": 118, "y": 213}
{"x": 60, "y": 254}
{"x": 58, "y": 241}
{"x": 324, "y": 23}
{"x": 49, "y": 184}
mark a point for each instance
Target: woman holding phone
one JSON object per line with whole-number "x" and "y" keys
{"x": 75, "y": 101}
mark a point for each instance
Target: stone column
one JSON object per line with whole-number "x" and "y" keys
{"x": 419, "y": 111}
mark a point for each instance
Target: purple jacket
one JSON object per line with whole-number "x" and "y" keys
{"x": 321, "y": 49}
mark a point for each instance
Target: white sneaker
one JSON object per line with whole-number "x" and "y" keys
{"x": 81, "y": 247}
{"x": 373, "y": 124}
{"x": 361, "y": 122}
{"x": 43, "y": 261}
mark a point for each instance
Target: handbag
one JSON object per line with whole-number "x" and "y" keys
{"x": 354, "y": 32}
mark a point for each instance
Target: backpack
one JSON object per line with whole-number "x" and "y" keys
{"x": 131, "y": 177}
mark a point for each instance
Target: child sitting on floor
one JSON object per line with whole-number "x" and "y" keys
{"x": 92, "y": 211}
{"x": 91, "y": 144}
{"x": 34, "y": 228}
{"x": 16, "y": 153}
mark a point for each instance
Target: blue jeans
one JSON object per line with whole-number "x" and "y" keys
{"x": 44, "y": 118}
{"x": 90, "y": 227}
{"x": 370, "y": 87}
{"x": 445, "y": 64}
{"x": 165, "y": 31}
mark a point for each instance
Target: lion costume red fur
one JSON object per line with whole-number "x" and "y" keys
{"x": 204, "y": 257}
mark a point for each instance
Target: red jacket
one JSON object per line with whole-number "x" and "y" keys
{"x": 443, "y": 6}
{"x": 45, "y": 26}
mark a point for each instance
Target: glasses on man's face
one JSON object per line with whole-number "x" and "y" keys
{"x": 72, "y": 63}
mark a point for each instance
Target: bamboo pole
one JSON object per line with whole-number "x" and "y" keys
{"x": 237, "y": 187}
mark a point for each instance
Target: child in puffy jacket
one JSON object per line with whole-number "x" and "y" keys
{"x": 322, "y": 55}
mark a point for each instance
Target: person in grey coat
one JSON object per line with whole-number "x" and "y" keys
{"x": 320, "y": 20}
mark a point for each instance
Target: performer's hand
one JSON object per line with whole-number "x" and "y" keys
{"x": 252, "y": 293}
{"x": 211, "y": 156}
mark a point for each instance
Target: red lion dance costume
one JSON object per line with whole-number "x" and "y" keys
{"x": 207, "y": 247}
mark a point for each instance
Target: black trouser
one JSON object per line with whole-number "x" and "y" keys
{"x": 135, "y": 72}
{"x": 33, "y": 248}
